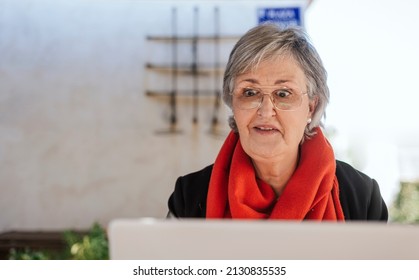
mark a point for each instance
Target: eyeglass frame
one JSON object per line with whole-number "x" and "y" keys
{"x": 271, "y": 97}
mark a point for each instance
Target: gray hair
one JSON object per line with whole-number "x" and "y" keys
{"x": 266, "y": 41}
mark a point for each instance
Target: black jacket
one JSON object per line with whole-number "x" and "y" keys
{"x": 360, "y": 195}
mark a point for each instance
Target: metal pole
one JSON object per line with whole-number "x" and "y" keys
{"x": 195, "y": 66}
{"x": 216, "y": 66}
{"x": 173, "y": 93}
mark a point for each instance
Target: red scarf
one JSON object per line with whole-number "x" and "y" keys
{"x": 311, "y": 193}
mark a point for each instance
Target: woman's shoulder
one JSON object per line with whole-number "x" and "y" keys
{"x": 348, "y": 174}
{"x": 360, "y": 195}
{"x": 190, "y": 194}
{"x": 200, "y": 175}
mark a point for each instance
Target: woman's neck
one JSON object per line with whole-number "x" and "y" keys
{"x": 278, "y": 173}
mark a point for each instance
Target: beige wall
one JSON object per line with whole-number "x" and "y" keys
{"x": 78, "y": 135}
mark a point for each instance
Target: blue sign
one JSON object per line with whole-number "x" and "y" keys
{"x": 290, "y": 16}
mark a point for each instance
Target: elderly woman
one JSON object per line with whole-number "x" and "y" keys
{"x": 276, "y": 163}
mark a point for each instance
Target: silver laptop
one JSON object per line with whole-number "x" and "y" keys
{"x": 198, "y": 239}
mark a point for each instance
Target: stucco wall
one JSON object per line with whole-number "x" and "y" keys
{"x": 79, "y": 139}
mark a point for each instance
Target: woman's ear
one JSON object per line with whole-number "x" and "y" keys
{"x": 312, "y": 105}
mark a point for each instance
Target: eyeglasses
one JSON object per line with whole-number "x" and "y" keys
{"x": 283, "y": 98}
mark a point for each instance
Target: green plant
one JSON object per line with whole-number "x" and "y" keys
{"x": 405, "y": 208}
{"x": 27, "y": 254}
{"x": 92, "y": 246}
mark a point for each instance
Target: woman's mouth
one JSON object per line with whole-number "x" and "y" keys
{"x": 266, "y": 129}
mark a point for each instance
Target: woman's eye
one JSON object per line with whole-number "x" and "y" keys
{"x": 249, "y": 92}
{"x": 283, "y": 93}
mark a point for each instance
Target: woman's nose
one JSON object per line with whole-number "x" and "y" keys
{"x": 266, "y": 107}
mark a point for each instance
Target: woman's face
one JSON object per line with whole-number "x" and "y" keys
{"x": 267, "y": 133}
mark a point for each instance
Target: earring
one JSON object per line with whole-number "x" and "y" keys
{"x": 309, "y": 121}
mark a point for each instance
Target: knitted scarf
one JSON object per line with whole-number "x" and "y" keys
{"x": 311, "y": 193}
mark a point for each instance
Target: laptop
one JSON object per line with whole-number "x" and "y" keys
{"x": 199, "y": 239}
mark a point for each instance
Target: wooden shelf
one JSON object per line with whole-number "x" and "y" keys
{"x": 157, "y": 93}
{"x": 186, "y": 69}
{"x": 192, "y": 38}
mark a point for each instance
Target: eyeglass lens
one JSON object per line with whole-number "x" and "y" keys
{"x": 284, "y": 98}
